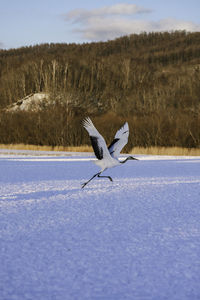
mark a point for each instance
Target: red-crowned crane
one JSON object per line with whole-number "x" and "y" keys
{"x": 107, "y": 157}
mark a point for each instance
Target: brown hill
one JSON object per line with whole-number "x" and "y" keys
{"x": 151, "y": 80}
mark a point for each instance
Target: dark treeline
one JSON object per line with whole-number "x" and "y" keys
{"x": 151, "y": 80}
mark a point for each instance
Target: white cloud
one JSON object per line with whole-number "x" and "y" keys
{"x": 113, "y": 21}
{"x": 82, "y": 15}
{"x": 1, "y": 45}
{"x": 174, "y": 24}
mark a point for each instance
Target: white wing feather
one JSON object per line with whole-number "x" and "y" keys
{"x": 120, "y": 140}
{"x": 97, "y": 140}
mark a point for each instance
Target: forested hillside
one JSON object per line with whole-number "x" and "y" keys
{"x": 150, "y": 80}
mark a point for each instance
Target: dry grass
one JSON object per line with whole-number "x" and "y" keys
{"x": 136, "y": 150}
{"x": 166, "y": 151}
{"x": 84, "y": 148}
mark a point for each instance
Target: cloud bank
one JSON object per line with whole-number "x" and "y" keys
{"x": 121, "y": 19}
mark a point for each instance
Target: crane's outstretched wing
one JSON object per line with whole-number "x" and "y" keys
{"x": 120, "y": 140}
{"x": 97, "y": 141}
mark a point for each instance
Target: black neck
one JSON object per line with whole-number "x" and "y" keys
{"x": 129, "y": 157}
{"x": 123, "y": 161}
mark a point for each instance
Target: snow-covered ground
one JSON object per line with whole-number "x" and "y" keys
{"x": 31, "y": 102}
{"x": 137, "y": 237}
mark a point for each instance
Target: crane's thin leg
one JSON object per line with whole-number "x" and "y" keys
{"x": 84, "y": 184}
{"x": 98, "y": 175}
{"x": 105, "y": 177}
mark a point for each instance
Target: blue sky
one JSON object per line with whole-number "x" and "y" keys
{"x": 27, "y": 22}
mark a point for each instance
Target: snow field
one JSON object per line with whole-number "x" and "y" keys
{"x": 137, "y": 237}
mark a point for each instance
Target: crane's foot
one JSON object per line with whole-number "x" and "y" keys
{"x": 105, "y": 177}
{"x": 98, "y": 175}
{"x": 83, "y": 185}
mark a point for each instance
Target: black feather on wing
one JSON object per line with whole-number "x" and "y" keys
{"x": 98, "y": 151}
{"x": 110, "y": 148}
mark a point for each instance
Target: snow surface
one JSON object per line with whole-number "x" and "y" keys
{"x": 30, "y": 102}
{"x": 137, "y": 237}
